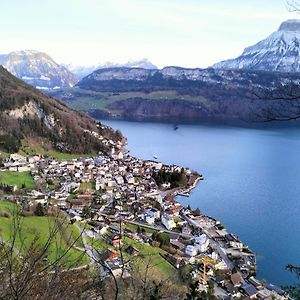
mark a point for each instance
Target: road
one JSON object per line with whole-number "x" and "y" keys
{"x": 216, "y": 247}
{"x": 159, "y": 228}
{"x": 90, "y": 251}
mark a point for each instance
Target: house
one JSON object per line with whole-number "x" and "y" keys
{"x": 236, "y": 279}
{"x": 177, "y": 245}
{"x": 276, "y": 289}
{"x": 250, "y": 290}
{"x": 168, "y": 221}
{"x": 191, "y": 250}
{"x": 220, "y": 279}
{"x": 111, "y": 183}
{"x": 109, "y": 255}
{"x": 130, "y": 179}
{"x": 115, "y": 240}
{"x": 186, "y": 229}
{"x": 233, "y": 241}
{"x": 119, "y": 179}
{"x": 229, "y": 287}
{"x": 84, "y": 197}
{"x": 102, "y": 228}
{"x": 74, "y": 216}
{"x": 173, "y": 260}
{"x": 221, "y": 265}
{"x": 149, "y": 218}
{"x": 255, "y": 282}
{"x": 117, "y": 154}
{"x": 202, "y": 243}
{"x": 151, "y": 215}
{"x": 174, "y": 211}
{"x": 132, "y": 251}
{"x": 17, "y": 157}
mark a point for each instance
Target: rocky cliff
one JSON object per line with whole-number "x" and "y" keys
{"x": 28, "y": 114}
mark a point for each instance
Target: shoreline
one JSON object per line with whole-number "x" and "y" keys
{"x": 185, "y": 192}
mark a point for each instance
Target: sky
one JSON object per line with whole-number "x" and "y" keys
{"x": 187, "y": 33}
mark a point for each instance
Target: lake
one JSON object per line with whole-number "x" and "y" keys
{"x": 252, "y": 182}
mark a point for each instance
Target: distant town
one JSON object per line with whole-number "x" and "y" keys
{"x": 118, "y": 198}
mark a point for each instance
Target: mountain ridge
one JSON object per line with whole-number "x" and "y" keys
{"x": 175, "y": 94}
{"x": 37, "y": 69}
{"x": 279, "y": 52}
{"x": 83, "y": 71}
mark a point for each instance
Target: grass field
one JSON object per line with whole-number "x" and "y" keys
{"x": 151, "y": 255}
{"x": 28, "y": 149}
{"x": 4, "y": 154}
{"x": 39, "y": 227}
{"x": 147, "y": 255}
{"x": 86, "y": 100}
{"x": 17, "y": 178}
{"x": 99, "y": 244}
{"x": 87, "y": 186}
{"x": 134, "y": 227}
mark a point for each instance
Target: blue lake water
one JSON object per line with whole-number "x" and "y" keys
{"x": 252, "y": 182}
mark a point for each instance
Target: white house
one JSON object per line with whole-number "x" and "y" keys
{"x": 191, "y": 250}
{"x": 168, "y": 221}
{"x": 151, "y": 215}
{"x": 149, "y": 219}
{"x": 103, "y": 228}
{"x": 201, "y": 243}
{"x": 130, "y": 179}
{"x": 119, "y": 180}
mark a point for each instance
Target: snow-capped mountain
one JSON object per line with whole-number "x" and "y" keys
{"x": 82, "y": 71}
{"x": 37, "y": 69}
{"x": 278, "y": 52}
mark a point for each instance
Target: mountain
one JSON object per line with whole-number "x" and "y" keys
{"x": 176, "y": 94}
{"x": 37, "y": 69}
{"x": 135, "y": 79}
{"x": 26, "y": 114}
{"x": 278, "y": 52}
{"x": 82, "y": 71}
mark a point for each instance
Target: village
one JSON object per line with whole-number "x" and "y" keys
{"x": 118, "y": 198}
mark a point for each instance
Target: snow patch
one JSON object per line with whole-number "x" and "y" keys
{"x": 42, "y": 88}
{"x": 43, "y": 77}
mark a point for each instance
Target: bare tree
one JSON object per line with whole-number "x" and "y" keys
{"x": 293, "y": 6}
{"x": 26, "y": 270}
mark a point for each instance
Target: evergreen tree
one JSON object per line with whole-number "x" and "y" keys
{"x": 40, "y": 210}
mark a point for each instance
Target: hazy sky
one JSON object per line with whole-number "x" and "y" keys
{"x": 189, "y": 33}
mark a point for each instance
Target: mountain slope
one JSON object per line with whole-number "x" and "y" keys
{"x": 26, "y": 113}
{"x": 177, "y": 94}
{"x": 82, "y": 71}
{"x": 278, "y": 52}
{"x": 37, "y": 69}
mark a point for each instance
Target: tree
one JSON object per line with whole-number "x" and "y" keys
{"x": 197, "y": 212}
{"x": 26, "y": 270}
{"x": 86, "y": 212}
{"x": 39, "y": 210}
{"x": 194, "y": 292}
{"x": 288, "y": 108}
{"x": 294, "y": 290}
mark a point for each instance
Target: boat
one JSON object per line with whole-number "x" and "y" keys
{"x": 184, "y": 194}
{"x": 155, "y": 157}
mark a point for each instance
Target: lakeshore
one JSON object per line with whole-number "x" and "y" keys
{"x": 241, "y": 182}
{"x": 121, "y": 189}
{"x": 118, "y": 188}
